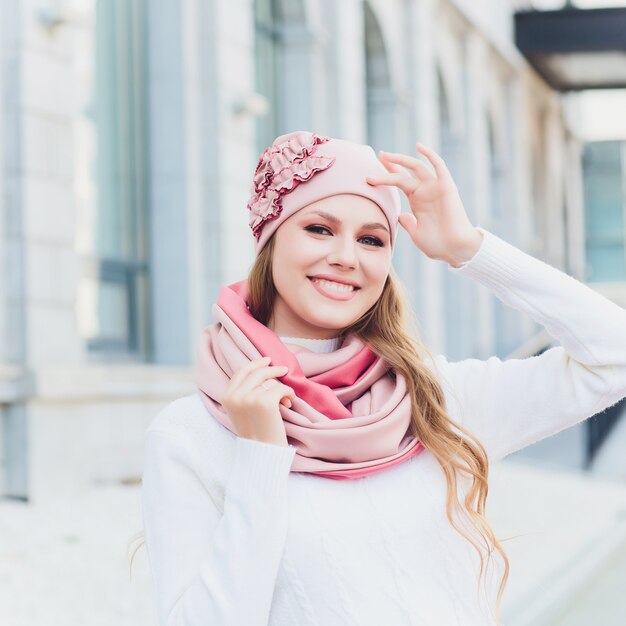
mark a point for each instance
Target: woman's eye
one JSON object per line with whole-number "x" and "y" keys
{"x": 377, "y": 242}
{"x": 316, "y": 228}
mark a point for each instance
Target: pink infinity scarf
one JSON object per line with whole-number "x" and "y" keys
{"x": 349, "y": 419}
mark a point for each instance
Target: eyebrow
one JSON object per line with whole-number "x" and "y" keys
{"x": 335, "y": 220}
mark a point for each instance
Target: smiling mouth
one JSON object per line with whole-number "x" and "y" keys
{"x": 335, "y": 291}
{"x": 335, "y": 286}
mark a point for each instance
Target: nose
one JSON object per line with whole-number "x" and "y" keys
{"x": 344, "y": 252}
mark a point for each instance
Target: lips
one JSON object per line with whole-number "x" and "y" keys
{"x": 333, "y": 279}
{"x": 331, "y": 294}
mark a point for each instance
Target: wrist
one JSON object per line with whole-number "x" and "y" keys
{"x": 466, "y": 251}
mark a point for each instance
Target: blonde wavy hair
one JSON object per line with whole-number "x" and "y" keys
{"x": 390, "y": 329}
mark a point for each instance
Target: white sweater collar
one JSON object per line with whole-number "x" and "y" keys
{"x": 317, "y": 345}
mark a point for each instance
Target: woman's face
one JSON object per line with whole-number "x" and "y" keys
{"x": 350, "y": 243}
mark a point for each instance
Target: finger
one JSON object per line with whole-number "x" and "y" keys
{"x": 268, "y": 383}
{"x": 417, "y": 167}
{"x": 409, "y": 222}
{"x": 393, "y": 168}
{"x": 258, "y": 376}
{"x": 287, "y": 399}
{"x": 436, "y": 161}
{"x": 282, "y": 391}
{"x": 425, "y": 172}
{"x": 278, "y": 393}
{"x": 248, "y": 367}
{"x": 407, "y": 183}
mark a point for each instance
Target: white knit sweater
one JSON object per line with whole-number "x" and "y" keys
{"x": 236, "y": 539}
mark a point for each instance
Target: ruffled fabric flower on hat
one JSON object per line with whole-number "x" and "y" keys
{"x": 281, "y": 168}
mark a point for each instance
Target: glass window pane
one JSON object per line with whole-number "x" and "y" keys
{"x": 113, "y": 307}
{"x": 116, "y": 316}
{"x": 604, "y": 181}
{"x": 606, "y": 263}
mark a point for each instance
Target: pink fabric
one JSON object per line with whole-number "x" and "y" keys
{"x": 300, "y": 168}
{"x": 349, "y": 419}
{"x": 281, "y": 168}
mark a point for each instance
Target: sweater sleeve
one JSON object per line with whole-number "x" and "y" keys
{"x": 513, "y": 403}
{"x": 209, "y": 566}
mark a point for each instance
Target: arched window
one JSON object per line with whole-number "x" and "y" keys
{"x": 538, "y": 182}
{"x": 380, "y": 101}
{"x": 496, "y": 180}
{"x": 460, "y": 311}
{"x": 116, "y": 268}
{"x": 507, "y": 321}
{"x": 448, "y": 142}
{"x": 282, "y": 68}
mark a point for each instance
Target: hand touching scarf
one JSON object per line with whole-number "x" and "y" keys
{"x": 350, "y": 417}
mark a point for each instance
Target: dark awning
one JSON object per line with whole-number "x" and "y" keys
{"x": 575, "y": 49}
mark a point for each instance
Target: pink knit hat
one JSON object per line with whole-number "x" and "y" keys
{"x": 302, "y": 167}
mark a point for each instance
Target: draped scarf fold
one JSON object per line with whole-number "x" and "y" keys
{"x": 350, "y": 417}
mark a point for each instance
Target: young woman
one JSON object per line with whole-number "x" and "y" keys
{"x": 330, "y": 471}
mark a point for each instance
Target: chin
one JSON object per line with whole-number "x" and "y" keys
{"x": 333, "y": 322}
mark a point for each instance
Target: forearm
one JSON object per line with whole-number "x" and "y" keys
{"x": 205, "y": 561}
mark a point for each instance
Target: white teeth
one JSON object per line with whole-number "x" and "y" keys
{"x": 332, "y": 285}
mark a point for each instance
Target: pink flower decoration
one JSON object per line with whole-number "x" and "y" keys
{"x": 281, "y": 168}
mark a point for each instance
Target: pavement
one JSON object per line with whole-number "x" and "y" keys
{"x": 573, "y": 538}
{"x": 67, "y": 563}
{"x": 603, "y": 599}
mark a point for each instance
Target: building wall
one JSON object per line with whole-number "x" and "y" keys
{"x": 74, "y": 416}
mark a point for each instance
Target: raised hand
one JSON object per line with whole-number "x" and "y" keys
{"x": 438, "y": 223}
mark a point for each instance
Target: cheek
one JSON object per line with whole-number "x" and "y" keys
{"x": 305, "y": 242}
{"x": 291, "y": 266}
{"x": 377, "y": 271}
{"x": 296, "y": 247}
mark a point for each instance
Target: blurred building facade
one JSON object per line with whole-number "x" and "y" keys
{"x": 130, "y": 131}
